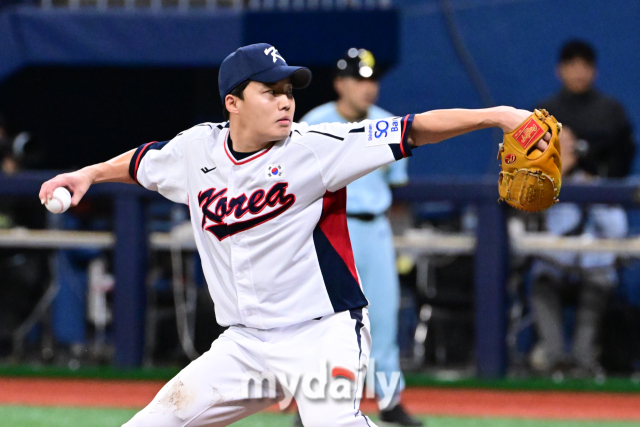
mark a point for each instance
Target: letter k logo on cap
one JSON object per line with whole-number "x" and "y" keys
{"x": 274, "y": 52}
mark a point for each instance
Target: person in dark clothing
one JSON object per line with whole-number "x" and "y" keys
{"x": 596, "y": 142}
{"x": 604, "y": 144}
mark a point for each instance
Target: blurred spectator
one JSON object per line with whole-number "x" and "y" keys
{"x": 604, "y": 144}
{"x": 596, "y": 142}
{"x": 583, "y": 280}
{"x": 5, "y": 148}
{"x": 23, "y": 273}
{"x": 19, "y": 152}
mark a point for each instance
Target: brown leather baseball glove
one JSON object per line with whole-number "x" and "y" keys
{"x": 530, "y": 179}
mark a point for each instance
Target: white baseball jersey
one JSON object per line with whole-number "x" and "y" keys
{"x": 271, "y": 229}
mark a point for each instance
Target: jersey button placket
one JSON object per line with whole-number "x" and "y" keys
{"x": 236, "y": 254}
{"x": 241, "y": 266}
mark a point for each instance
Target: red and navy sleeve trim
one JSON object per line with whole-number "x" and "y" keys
{"x": 402, "y": 150}
{"x": 140, "y": 153}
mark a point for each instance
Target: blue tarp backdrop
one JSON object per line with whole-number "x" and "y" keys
{"x": 31, "y": 36}
{"x": 513, "y": 42}
{"x": 515, "y": 45}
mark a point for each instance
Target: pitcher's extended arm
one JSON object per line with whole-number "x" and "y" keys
{"x": 78, "y": 182}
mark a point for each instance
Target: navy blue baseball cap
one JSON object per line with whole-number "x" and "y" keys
{"x": 261, "y": 63}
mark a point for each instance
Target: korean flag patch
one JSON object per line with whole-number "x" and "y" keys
{"x": 275, "y": 171}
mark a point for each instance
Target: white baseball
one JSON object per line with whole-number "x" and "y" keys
{"x": 60, "y": 201}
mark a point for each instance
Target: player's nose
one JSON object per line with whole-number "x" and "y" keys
{"x": 284, "y": 102}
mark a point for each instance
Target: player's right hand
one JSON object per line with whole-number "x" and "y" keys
{"x": 77, "y": 182}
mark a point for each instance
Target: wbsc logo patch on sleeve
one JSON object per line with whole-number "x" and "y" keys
{"x": 383, "y": 132}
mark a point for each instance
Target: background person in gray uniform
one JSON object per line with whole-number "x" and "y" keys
{"x": 368, "y": 199}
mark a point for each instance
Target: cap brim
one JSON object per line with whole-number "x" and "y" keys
{"x": 300, "y": 76}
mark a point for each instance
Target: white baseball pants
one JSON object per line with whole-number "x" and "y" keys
{"x": 322, "y": 363}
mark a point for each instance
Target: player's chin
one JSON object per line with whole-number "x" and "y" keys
{"x": 281, "y": 131}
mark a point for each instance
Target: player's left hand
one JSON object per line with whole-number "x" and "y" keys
{"x": 510, "y": 118}
{"x": 530, "y": 180}
{"x": 513, "y": 117}
{"x": 544, "y": 142}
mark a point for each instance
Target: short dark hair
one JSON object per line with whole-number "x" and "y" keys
{"x": 577, "y": 49}
{"x": 236, "y": 91}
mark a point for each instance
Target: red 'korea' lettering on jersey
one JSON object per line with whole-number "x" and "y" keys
{"x": 239, "y": 206}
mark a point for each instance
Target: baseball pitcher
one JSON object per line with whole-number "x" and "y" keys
{"x": 268, "y": 208}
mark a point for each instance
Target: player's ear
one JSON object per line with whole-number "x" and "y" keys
{"x": 231, "y": 102}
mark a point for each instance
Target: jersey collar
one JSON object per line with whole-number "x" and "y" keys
{"x": 246, "y": 159}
